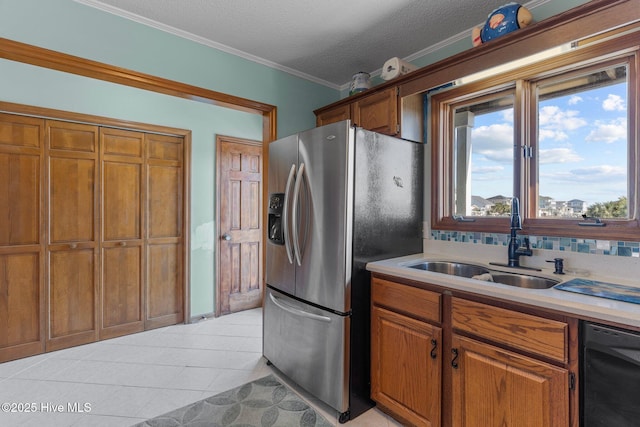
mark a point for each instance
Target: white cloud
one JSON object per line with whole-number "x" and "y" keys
{"x": 552, "y": 117}
{"x": 495, "y": 142}
{"x": 609, "y": 132}
{"x": 558, "y": 155}
{"x": 601, "y": 170}
{"x": 574, "y": 100}
{"x": 589, "y": 175}
{"x": 552, "y": 134}
{"x": 614, "y": 103}
{"x": 487, "y": 169}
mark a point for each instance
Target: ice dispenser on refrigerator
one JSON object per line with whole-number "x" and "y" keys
{"x": 276, "y": 232}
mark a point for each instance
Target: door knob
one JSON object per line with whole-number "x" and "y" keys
{"x": 226, "y": 237}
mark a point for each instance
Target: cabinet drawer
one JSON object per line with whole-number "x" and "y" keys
{"x": 536, "y": 335}
{"x": 416, "y": 302}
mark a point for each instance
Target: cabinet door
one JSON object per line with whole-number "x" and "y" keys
{"x": 72, "y": 249}
{"x": 378, "y": 112}
{"x": 495, "y": 387}
{"x": 164, "y": 240}
{"x": 406, "y": 367}
{"x": 122, "y": 232}
{"x": 21, "y": 234}
{"x": 337, "y": 114}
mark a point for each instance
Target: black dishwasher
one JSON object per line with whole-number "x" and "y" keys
{"x": 610, "y": 377}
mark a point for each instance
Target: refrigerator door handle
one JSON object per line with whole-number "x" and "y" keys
{"x": 296, "y": 311}
{"x": 296, "y": 197}
{"x": 285, "y": 214}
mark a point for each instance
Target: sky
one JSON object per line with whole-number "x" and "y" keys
{"x": 582, "y": 154}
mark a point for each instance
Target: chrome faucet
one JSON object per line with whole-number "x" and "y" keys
{"x": 515, "y": 248}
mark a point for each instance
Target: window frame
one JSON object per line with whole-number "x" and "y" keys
{"x": 617, "y": 50}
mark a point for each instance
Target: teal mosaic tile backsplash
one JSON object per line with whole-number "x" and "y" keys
{"x": 569, "y": 244}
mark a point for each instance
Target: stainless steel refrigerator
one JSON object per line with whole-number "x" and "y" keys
{"x": 339, "y": 197}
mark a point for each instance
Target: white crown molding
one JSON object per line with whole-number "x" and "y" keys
{"x": 224, "y": 48}
{"x": 201, "y": 40}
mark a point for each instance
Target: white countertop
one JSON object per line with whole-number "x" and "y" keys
{"x": 594, "y": 308}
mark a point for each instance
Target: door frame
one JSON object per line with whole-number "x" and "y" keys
{"x": 50, "y": 59}
{"x": 218, "y": 232}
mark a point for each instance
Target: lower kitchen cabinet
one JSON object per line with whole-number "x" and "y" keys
{"x": 496, "y": 387}
{"x": 406, "y": 366}
{"x": 440, "y": 359}
{"x": 406, "y": 357}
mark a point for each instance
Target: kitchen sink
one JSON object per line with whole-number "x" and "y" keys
{"x": 523, "y": 280}
{"x": 452, "y": 268}
{"x": 472, "y": 271}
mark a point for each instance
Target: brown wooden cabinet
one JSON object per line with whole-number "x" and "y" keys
{"x": 21, "y": 236}
{"x": 508, "y": 383}
{"x": 91, "y": 241}
{"x": 497, "y": 366}
{"x": 337, "y": 114}
{"x": 406, "y": 356}
{"x": 496, "y": 387}
{"x": 377, "y": 111}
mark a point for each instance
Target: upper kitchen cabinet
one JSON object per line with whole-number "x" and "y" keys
{"x": 376, "y": 110}
{"x": 333, "y": 115}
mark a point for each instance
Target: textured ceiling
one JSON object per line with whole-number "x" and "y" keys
{"x": 323, "y": 40}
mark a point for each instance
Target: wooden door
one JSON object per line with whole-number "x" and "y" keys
{"x": 21, "y": 237}
{"x": 495, "y": 387}
{"x": 122, "y": 232}
{"x": 406, "y": 367}
{"x": 239, "y": 201}
{"x": 72, "y": 247}
{"x": 165, "y": 290}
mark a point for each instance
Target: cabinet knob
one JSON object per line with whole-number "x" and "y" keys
{"x": 73, "y": 245}
{"x": 226, "y": 236}
{"x": 123, "y": 243}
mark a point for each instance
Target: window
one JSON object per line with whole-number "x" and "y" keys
{"x": 582, "y": 144}
{"x": 561, "y": 136}
{"x": 483, "y": 156}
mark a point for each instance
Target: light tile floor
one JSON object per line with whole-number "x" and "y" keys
{"x": 125, "y": 380}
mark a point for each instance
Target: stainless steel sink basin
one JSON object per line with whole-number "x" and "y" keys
{"x": 452, "y": 268}
{"x": 471, "y": 271}
{"x": 523, "y": 280}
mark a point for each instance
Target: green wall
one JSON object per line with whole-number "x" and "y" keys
{"x": 76, "y": 29}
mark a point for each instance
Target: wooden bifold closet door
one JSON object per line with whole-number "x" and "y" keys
{"x": 91, "y": 236}
{"x": 123, "y": 190}
{"x": 21, "y": 237}
{"x": 72, "y": 233}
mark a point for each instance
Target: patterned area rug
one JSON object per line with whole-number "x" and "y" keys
{"x": 261, "y": 403}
